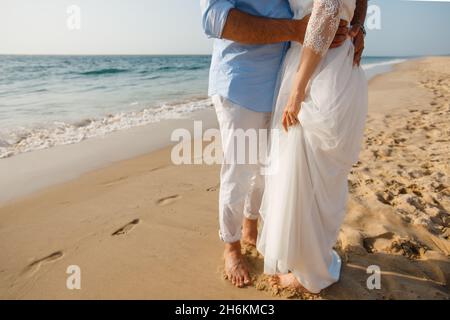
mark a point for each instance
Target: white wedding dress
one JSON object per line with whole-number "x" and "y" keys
{"x": 306, "y": 183}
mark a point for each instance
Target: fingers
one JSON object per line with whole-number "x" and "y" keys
{"x": 338, "y": 40}
{"x": 354, "y": 31}
{"x": 343, "y": 23}
{"x": 359, "y": 48}
{"x": 284, "y": 122}
{"x": 343, "y": 30}
{"x": 358, "y": 41}
{"x": 289, "y": 119}
{"x": 293, "y": 118}
{"x": 358, "y": 56}
{"x": 340, "y": 37}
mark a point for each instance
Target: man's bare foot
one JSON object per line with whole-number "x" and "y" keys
{"x": 250, "y": 231}
{"x": 286, "y": 281}
{"x": 236, "y": 269}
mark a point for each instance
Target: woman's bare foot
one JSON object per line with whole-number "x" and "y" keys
{"x": 286, "y": 281}
{"x": 236, "y": 269}
{"x": 250, "y": 231}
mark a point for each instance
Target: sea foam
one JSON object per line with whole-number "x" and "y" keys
{"x": 22, "y": 140}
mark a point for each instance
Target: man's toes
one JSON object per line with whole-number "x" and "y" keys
{"x": 247, "y": 279}
{"x": 241, "y": 282}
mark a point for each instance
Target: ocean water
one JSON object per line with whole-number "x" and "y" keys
{"x": 53, "y": 100}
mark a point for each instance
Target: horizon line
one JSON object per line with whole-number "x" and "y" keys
{"x": 185, "y": 54}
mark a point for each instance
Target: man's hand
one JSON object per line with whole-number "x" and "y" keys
{"x": 358, "y": 40}
{"x": 341, "y": 34}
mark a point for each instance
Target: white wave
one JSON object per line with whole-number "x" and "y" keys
{"x": 380, "y": 64}
{"x": 60, "y": 133}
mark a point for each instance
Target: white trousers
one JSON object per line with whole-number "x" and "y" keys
{"x": 241, "y": 184}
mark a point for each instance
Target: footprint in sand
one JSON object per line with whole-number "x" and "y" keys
{"x": 385, "y": 197}
{"x": 113, "y": 182}
{"x": 168, "y": 200}
{"x": 389, "y": 242}
{"x": 213, "y": 188}
{"x": 157, "y": 168}
{"x": 33, "y": 267}
{"x": 126, "y": 228}
{"x": 373, "y": 244}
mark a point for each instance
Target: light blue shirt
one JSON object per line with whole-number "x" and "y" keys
{"x": 244, "y": 74}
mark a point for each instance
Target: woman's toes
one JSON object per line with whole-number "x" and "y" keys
{"x": 274, "y": 280}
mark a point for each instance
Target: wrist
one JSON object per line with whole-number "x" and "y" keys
{"x": 363, "y": 30}
{"x": 299, "y": 30}
{"x": 360, "y": 26}
{"x": 298, "y": 95}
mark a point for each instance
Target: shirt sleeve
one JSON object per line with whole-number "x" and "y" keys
{"x": 322, "y": 25}
{"x": 214, "y": 16}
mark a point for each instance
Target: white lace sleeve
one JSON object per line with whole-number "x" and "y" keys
{"x": 322, "y": 25}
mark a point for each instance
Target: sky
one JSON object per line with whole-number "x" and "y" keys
{"x": 395, "y": 27}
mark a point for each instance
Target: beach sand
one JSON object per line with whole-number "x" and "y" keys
{"x": 145, "y": 228}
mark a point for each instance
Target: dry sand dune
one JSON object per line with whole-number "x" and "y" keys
{"x": 147, "y": 229}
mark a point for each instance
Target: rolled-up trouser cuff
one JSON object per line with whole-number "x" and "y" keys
{"x": 230, "y": 239}
{"x": 251, "y": 216}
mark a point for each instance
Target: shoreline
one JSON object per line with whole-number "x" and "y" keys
{"x": 28, "y": 172}
{"x": 144, "y": 228}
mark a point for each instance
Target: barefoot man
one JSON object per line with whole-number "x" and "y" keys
{"x": 251, "y": 38}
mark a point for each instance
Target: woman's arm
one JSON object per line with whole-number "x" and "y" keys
{"x": 320, "y": 32}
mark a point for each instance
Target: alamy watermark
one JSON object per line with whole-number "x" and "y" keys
{"x": 241, "y": 147}
{"x": 373, "y": 19}
{"x": 73, "y": 281}
{"x": 374, "y": 280}
{"x": 73, "y": 21}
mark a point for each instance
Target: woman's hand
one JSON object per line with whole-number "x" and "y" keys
{"x": 292, "y": 109}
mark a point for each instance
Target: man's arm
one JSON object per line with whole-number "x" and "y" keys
{"x": 248, "y": 29}
{"x": 222, "y": 20}
{"x": 356, "y": 32}
{"x": 360, "y": 13}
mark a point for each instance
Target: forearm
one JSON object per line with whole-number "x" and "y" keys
{"x": 308, "y": 64}
{"x": 248, "y": 29}
{"x": 319, "y": 35}
{"x": 360, "y": 13}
